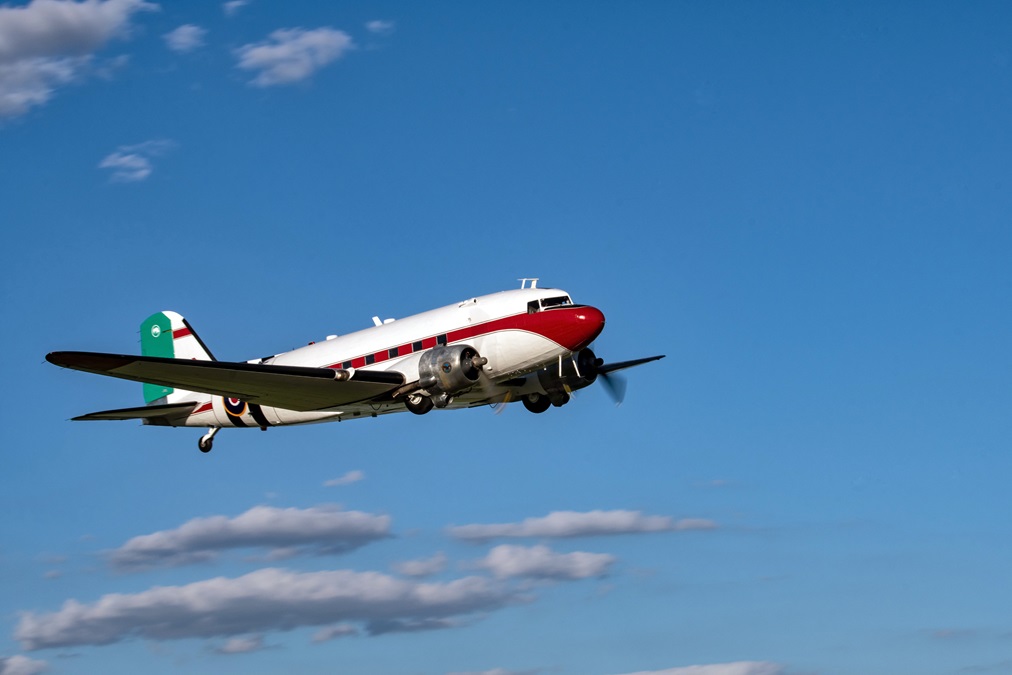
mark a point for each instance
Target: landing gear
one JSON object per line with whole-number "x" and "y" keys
{"x": 418, "y": 404}
{"x": 207, "y": 440}
{"x": 536, "y": 403}
{"x": 560, "y": 400}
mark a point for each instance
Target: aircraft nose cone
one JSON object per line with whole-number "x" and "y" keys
{"x": 589, "y": 324}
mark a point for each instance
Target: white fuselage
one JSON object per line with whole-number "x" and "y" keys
{"x": 518, "y": 332}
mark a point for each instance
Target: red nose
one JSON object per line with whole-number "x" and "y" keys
{"x": 582, "y": 325}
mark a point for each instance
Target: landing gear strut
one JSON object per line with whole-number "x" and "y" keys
{"x": 206, "y": 441}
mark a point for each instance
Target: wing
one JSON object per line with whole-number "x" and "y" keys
{"x": 289, "y": 387}
{"x": 153, "y": 414}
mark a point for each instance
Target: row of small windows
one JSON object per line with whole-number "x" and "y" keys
{"x": 394, "y": 352}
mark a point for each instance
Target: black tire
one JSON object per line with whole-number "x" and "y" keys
{"x": 205, "y": 446}
{"x": 536, "y": 403}
{"x": 560, "y": 400}
{"x": 421, "y": 406}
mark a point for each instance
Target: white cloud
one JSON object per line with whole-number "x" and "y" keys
{"x": 232, "y": 7}
{"x": 241, "y": 645}
{"x": 317, "y": 530}
{"x": 496, "y": 671}
{"x": 736, "y": 668}
{"x": 52, "y": 574}
{"x": 347, "y": 479}
{"x": 21, "y": 665}
{"x": 380, "y": 27}
{"x": 186, "y": 38}
{"x": 268, "y": 599}
{"x": 292, "y": 54}
{"x": 132, "y": 163}
{"x": 333, "y": 632}
{"x": 47, "y": 44}
{"x": 541, "y": 562}
{"x": 422, "y": 567}
{"x": 561, "y": 524}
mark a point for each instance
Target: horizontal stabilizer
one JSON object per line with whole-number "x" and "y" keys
{"x": 142, "y": 412}
{"x": 290, "y": 387}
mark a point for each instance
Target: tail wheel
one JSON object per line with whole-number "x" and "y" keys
{"x": 205, "y": 445}
{"x": 418, "y": 404}
{"x": 536, "y": 403}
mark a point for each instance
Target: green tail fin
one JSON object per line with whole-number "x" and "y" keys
{"x": 168, "y": 335}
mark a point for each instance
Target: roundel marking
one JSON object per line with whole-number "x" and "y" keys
{"x": 156, "y": 330}
{"x": 234, "y": 406}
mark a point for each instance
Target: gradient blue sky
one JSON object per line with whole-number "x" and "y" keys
{"x": 806, "y": 206}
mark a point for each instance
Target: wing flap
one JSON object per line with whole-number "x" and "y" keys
{"x": 290, "y": 387}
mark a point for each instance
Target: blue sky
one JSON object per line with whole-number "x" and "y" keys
{"x": 804, "y": 205}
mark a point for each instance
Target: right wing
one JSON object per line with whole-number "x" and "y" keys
{"x": 290, "y": 387}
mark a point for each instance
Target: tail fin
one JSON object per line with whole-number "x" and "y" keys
{"x": 168, "y": 335}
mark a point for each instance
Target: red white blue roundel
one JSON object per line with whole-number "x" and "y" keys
{"x": 235, "y": 406}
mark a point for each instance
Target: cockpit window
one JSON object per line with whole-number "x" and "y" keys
{"x": 561, "y": 301}
{"x": 548, "y": 303}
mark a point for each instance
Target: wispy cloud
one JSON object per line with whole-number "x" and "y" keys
{"x": 495, "y": 671}
{"x": 241, "y": 645}
{"x": 736, "y": 668}
{"x": 564, "y": 524}
{"x": 47, "y": 44}
{"x": 232, "y": 7}
{"x": 334, "y": 632}
{"x": 287, "y": 531}
{"x": 541, "y": 562}
{"x": 268, "y": 599}
{"x": 132, "y": 163}
{"x": 380, "y": 27}
{"x": 422, "y": 567}
{"x": 292, "y": 55}
{"x": 22, "y": 665}
{"x": 347, "y": 479}
{"x": 186, "y": 38}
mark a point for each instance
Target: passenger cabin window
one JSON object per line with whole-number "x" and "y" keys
{"x": 548, "y": 303}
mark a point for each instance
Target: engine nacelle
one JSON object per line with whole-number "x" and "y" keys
{"x": 449, "y": 370}
{"x": 573, "y": 376}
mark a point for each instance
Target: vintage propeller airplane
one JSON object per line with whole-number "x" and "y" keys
{"x": 529, "y": 344}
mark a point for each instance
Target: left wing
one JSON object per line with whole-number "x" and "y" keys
{"x": 290, "y": 387}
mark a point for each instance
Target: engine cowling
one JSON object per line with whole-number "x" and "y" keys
{"x": 557, "y": 382}
{"x": 449, "y": 370}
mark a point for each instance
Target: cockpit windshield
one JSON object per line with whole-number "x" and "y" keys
{"x": 548, "y": 303}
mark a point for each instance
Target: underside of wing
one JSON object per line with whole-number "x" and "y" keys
{"x": 152, "y": 414}
{"x": 289, "y": 387}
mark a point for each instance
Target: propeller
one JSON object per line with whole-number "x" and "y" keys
{"x": 592, "y": 367}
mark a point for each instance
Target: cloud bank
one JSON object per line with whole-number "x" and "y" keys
{"x": 21, "y": 665}
{"x": 47, "y": 44}
{"x": 565, "y": 524}
{"x": 268, "y": 599}
{"x": 318, "y": 530}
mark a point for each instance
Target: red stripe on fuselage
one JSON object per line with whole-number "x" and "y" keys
{"x": 570, "y": 327}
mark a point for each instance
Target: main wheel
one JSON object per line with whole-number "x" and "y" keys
{"x": 560, "y": 400}
{"x": 536, "y": 403}
{"x": 418, "y": 404}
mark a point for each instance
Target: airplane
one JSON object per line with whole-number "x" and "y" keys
{"x": 529, "y": 344}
